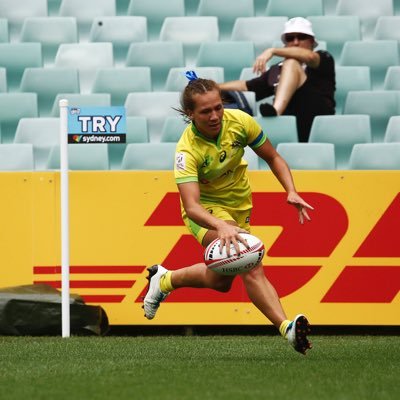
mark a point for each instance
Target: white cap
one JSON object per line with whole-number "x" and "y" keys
{"x": 298, "y": 25}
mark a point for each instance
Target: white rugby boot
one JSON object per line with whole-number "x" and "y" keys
{"x": 297, "y": 332}
{"x": 154, "y": 295}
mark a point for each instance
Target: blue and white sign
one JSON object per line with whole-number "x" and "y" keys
{"x": 96, "y": 125}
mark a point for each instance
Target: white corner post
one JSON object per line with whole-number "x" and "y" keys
{"x": 64, "y": 195}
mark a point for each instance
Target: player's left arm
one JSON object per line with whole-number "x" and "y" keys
{"x": 281, "y": 170}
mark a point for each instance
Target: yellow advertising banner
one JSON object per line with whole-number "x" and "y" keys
{"x": 342, "y": 268}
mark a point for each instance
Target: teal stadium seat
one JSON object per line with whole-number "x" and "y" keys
{"x": 13, "y": 107}
{"x": 172, "y": 129}
{"x": 368, "y": 11}
{"x": 3, "y": 80}
{"x": 86, "y": 11}
{"x": 291, "y": 9}
{"x": 121, "y": 31}
{"x": 50, "y": 32}
{"x": 177, "y": 81}
{"x": 375, "y": 156}
{"x": 42, "y": 134}
{"x": 156, "y": 11}
{"x": 81, "y": 157}
{"x": 392, "y": 78}
{"x": 191, "y": 7}
{"x": 262, "y": 31}
{"x": 380, "y": 105}
{"x": 226, "y": 11}
{"x": 335, "y": 30}
{"x": 308, "y": 156}
{"x": 136, "y": 132}
{"x": 16, "y": 157}
{"x": 15, "y": 57}
{"x": 81, "y": 100}
{"x": 155, "y": 106}
{"x": 378, "y": 55}
{"x": 281, "y": 129}
{"x": 159, "y": 56}
{"x": 87, "y": 58}
{"x": 388, "y": 28}
{"x": 392, "y": 133}
{"x": 252, "y": 159}
{"x": 47, "y": 83}
{"x": 15, "y": 11}
{"x": 344, "y": 131}
{"x": 348, "y": 79}
{"x": 191, "y": 32}
{"x": 121, "y": 81}
{"x": 149, "y": 156}
{"x": 220, "y": 54}
{"x": 4, "y": 36}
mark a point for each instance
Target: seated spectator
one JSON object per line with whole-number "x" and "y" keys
{"x": 303, "y": 83}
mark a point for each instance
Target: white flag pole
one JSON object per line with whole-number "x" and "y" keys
{"x": 64, "y": 184}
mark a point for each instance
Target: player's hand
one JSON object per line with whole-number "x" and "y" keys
{"x": 229, "y": 234}
{"x": 295, "y": 200}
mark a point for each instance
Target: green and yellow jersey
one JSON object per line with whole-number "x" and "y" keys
{"x": 218, "y": 166}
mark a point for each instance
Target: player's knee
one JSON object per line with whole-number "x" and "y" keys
{"x": 254, "y": 274}
{"x": 222, "y": 286}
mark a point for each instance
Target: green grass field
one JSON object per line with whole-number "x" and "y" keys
{"x": 199, "y": 367}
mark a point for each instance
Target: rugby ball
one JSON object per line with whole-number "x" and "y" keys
{"x": 217, "y": 260}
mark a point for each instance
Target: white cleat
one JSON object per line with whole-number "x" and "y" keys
{"x": 154, "y": 295}
{"x": 297, "y": 333}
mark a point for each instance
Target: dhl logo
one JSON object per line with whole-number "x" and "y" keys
{"x": 362, "y": 281}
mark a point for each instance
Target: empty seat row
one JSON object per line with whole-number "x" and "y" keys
{"x": 160, "y": 156}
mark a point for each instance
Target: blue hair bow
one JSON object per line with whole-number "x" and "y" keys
{"x": 191, "y": 75}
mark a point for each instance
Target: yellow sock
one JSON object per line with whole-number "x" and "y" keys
{"x": 165, "y": 283}
{"x": 283, "y": 327}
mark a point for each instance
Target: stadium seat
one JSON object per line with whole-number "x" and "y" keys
{"x": 226, "y": 11}
{"x": 4, "y": 36}
{"x": 372, "y": 156}
{"x": 13, "y": 107}
{"x": 42, "y": 134}
{"x": 392, "y": 78}
{"x": 121, "y": 31}
{"x": 136, "y": 132}
{"x": 149, "y": 156}
{"x": 191, "y": 32}
{"x": 387, "y": 28}
{"x": 367, "y": 10}
{"x": 176, "y": 79}
{"x": 81, "y": 100}
{"x": 81, "y": 157}
{"x": 155, "y": 106}
{"x": 253, "y": 161}
{"x": 392, "y": 133}
{"x": 191, "y": 7}
{"x": 380, "y": 105}
{"x": 344, "y": 131}
{"x": 262, "y": 31}
{"x": 314, "y": 156}
{"x": 290, "y": 8}
{"x": 376, "y": 54}
{"x": 347, "y": 79}
{"x": 159, "y": 56}
{"x": 16, "y": 157}
{"x": 86, "y": 11}
{"x": 15, "y": 11}
{"x": 156, "y": 11}
{"x": 50, "y": 32}
{"x": 3, "y": 80}
{"x": 87, "y": 58}
{"x": 335, "y": 30}
{"x": 47, "y": 83}
{"x": 247, "y": 73}
{"x": 220, "y": 54}
{"x": 121, "y": 81}
{"x": 15, "y": 57}
{"x": 280, "y": 129}
{"x": 172, "y": 129}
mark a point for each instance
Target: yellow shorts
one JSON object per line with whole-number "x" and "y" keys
{"x": 241, "y": 217}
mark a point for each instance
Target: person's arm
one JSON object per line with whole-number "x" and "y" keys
{"x": 239, "y": 85}
{"x": 309, "y": 57}
{"x": 282, "y": 172}
{"x": 227, "y": 233}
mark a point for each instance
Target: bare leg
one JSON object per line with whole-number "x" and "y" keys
{"x": 263, "y": 295}
{"x": 292, "y": 77}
